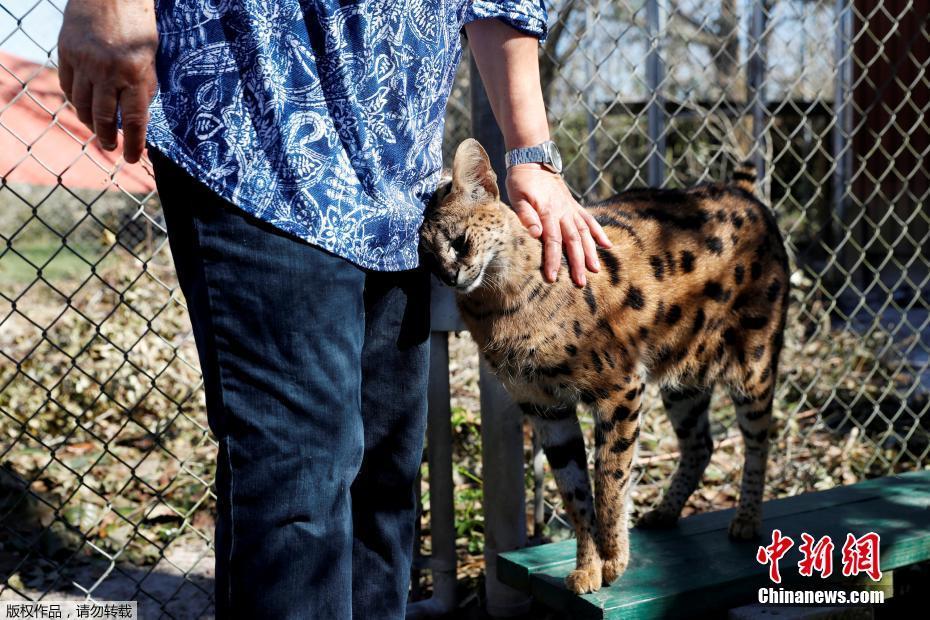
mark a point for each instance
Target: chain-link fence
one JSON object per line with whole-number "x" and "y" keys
{"x": 106, "y": 457}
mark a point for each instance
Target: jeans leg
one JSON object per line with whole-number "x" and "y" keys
{"x": 395, "y": 367}
{"x": 280, "y": 327}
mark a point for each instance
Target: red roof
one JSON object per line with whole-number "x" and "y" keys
{"x": 41, "y": 138}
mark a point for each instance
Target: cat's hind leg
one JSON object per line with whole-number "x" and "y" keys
{"x": 687, "y": 410}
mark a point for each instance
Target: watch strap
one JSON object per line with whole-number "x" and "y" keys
{"x": 527, "y": 155}
{"x": 546, "y": 153}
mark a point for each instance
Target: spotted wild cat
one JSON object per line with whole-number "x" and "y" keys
{"x": 693, "y": 293}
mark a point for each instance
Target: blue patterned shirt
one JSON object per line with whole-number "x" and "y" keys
{"x": 322, "y": 118}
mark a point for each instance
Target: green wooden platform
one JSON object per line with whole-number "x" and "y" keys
{"x": 695, "y": 569}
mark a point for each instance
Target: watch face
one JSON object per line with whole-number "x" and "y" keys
{"x": 554, "y": 156}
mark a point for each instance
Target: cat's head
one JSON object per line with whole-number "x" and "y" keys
{"x": 466, "y": 227}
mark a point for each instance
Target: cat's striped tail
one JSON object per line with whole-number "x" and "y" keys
{"x": 745, "y": 176}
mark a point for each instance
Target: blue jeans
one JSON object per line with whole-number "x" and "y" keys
{"x": 315, "y": 374}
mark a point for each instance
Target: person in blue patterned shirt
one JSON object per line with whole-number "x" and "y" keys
{"x": 295, "y": 145}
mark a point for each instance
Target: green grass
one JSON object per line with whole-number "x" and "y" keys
{"x": 22, "y": 266}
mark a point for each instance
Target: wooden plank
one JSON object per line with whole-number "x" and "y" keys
{"x": 538, "y": 558}
{"x": 712, "y": 572}
{"x": 728, "y": 577}
{"x": 696, "y": 568}
{"x": 521, "y": 564}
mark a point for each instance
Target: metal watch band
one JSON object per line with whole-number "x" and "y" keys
{"x": 545, "y": 153}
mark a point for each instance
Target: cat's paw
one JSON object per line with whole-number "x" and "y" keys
{"x": 613, "y": 568}
{"x": 745, "y": 527}
{"x": 584, "y": 580}
{"x": 657, "y": 519}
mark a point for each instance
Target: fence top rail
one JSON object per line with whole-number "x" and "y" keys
{"x": 699, "y": 107}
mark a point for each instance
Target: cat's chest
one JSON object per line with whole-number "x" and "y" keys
{"x": 534, "y": 344}
{"x": 534, "y": 356}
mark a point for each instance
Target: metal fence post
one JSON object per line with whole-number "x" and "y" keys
{"x": 843, "y": 275}
{"x": 501, "y": 426}
{"x": 655, "y": 75}
{"x": 590, "y": 102}
{"x": 758, "y": 67}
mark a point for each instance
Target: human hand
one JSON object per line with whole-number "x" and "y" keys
{"x": 106, "y": 62}
{"x": 544, "y": 204}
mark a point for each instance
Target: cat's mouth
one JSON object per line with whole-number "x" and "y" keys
{"x": 467, "y": 287}
{"x": 456, "y": 277}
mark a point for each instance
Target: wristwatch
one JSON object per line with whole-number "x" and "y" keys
{"x": 546, "y": 154}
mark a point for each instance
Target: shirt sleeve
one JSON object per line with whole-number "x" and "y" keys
{"x": 527, "y": 16}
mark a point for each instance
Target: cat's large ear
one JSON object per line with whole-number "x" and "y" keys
{"x": 472, "y": 173}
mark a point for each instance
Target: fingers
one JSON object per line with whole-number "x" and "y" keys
{"x": 574, "y": 250}
{"x": 82, "y": 98}
{"x": 96, "y": 107}
{"x": 65, "y": 77}
{"x": 552, "y": 243}
{"x": 528, "y": 217}
{"x": 544, "y": 205}
{"x": 104, "y": 116}
{"x": 134, "y": 104}
{"x": 597, "y": 233}
{"x": 588, "y": 244}
{"x": 106, "y": 48}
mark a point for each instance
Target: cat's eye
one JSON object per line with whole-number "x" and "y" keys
{"x": 460, "y": 244}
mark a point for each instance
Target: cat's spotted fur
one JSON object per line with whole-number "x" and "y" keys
{"x": 692, "y": 294}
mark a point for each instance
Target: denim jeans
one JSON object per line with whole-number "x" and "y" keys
{"x": 315, "y": 375}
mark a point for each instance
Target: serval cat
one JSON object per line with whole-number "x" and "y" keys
{"x": 693, "y": 293}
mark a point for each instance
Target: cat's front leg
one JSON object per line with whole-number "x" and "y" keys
{"x": 616, "y": 432}
{"x": 563, "y": 443}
